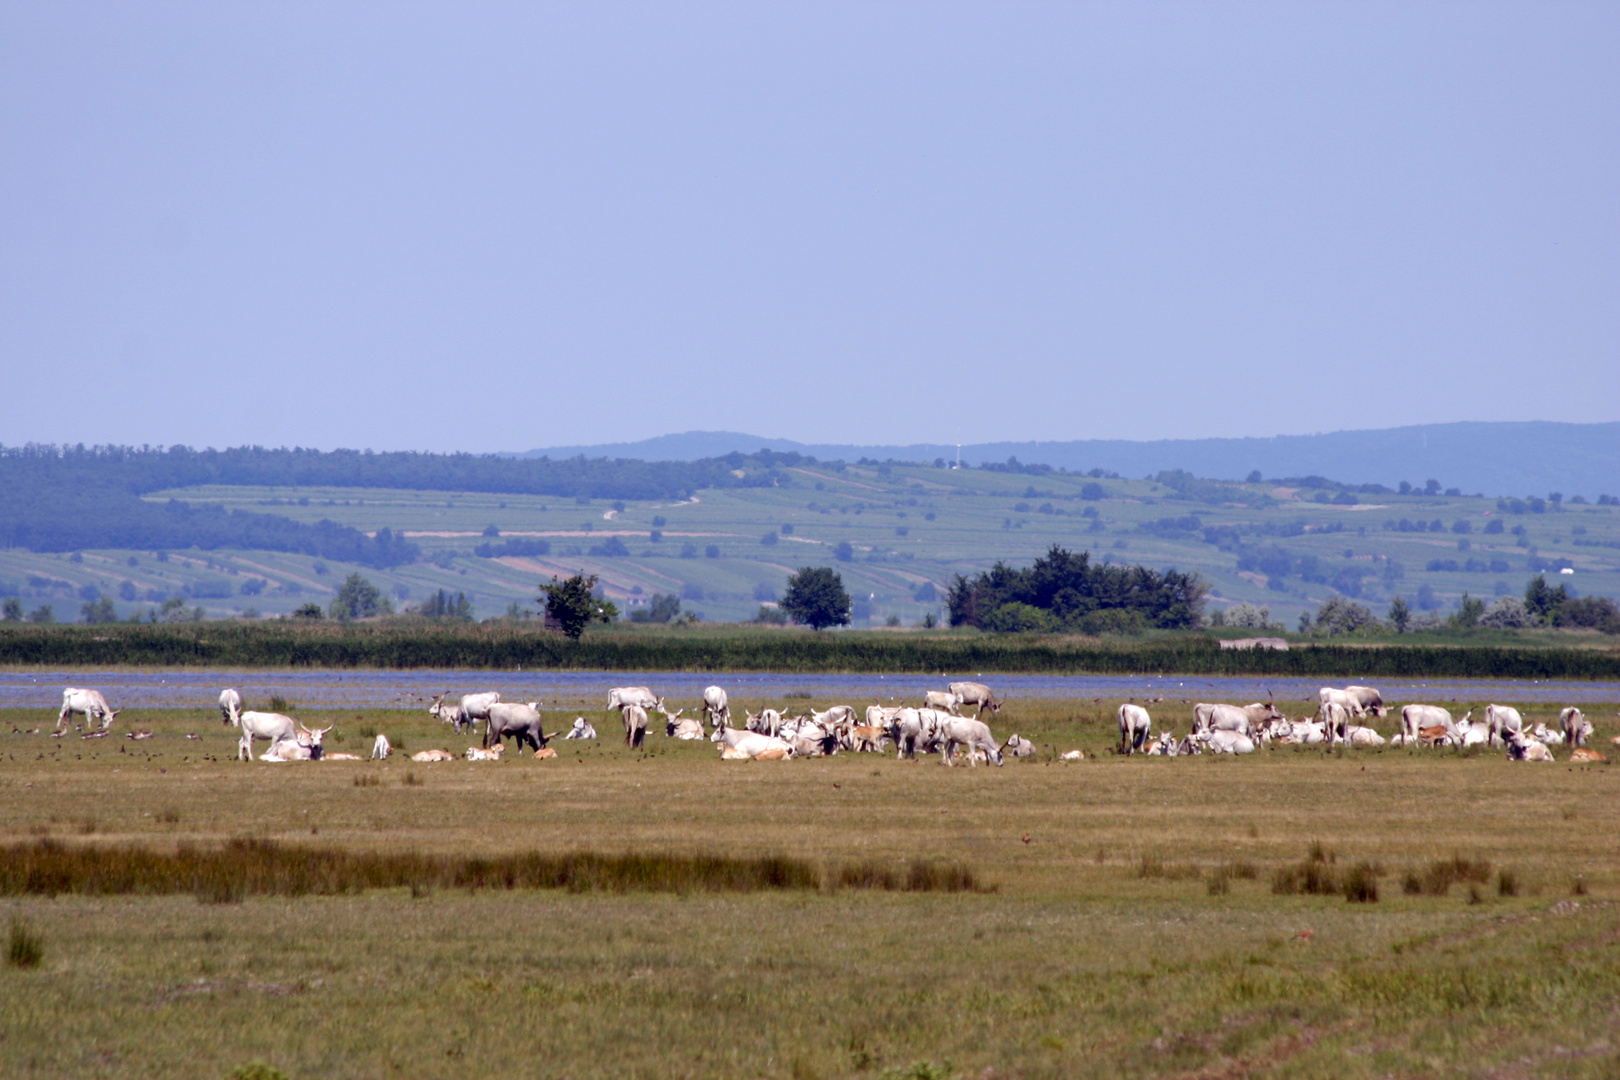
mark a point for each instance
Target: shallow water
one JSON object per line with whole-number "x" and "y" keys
{"x": 358, "y": 689}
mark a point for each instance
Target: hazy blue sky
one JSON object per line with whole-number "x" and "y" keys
{"x": 482, "y": 226}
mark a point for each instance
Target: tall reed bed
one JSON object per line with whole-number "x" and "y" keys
{"x": 418, "y": 645}
{"x": 242, "y": 868}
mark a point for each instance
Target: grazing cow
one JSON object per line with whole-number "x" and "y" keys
{"x": 716, "y": 707}
{"x": 1371, "y": 700}
{"x": 1342, "y": 698}
{"x": 519, "y": 721}
{"x": 480, "y": 753}
{"x": 433, "y": 755}
{"x": 582, "y": 729}
{"x": 450, "y": 714}
{"x": 230, "y": 707}
{"x": 973, "y": 734}
{"x": 942, "y": 699}
{"x": 1575, "y": 726}
{"x": 1134, "y": 728}
{"x": 978, "y": 694}
{"x": 269, "y": 726}
{"x": 1500, "y": 720}
{"x": 90, "y": 703}
{"x": 1414, "y": 718}
{"x": 635, "y": 725}
{"x": 1246, "y": 718}
{"x": 1018, "y": 746}
{"x": 1226, "y": 741}
{"x": 380, "y": 749}
{"x": 1583, "y": 754}
{"x": 1522, "y": 748}
{"x": 620, "y": 696}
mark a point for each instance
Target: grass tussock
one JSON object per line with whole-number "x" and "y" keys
{"x": 1319, "y": 875}
{"x": 26, "y": 949}
{"x": 1151, "y": 866}
{"x": 242, "y": 868}
{"x": 1440, "y": 875}
{"x": 918, "y": 876}
{"x": 367, "y": 780}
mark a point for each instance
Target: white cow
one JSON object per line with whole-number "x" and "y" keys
{"x": 942, "y": 699}
{"x": 978, "y": 694}
{"x": 521, "y": 722}
{"x": 1472, "y": 734}
{"x": 1336, "y": 720}
{"x": 1500, "y": 720}
{"x": 1357, "y": 735}
{"x": 1576, "y": 727}
{"x": 1244, "y": 718}
{"x": 269, "y": 726}
{"x": 230, "y": 707}
{"x": 450, "y": 714}
{"x": 750, "y": 743}
{"x": 304, "y": 745}
{"x": 1371, "y": 700}
{"x": 1414, "y": 718}
{"x": 1225, "y": 741}
{"x": 1018, "y": 746}
{"x": 380, "y": 749}
{"x": 475, "y": 707}
{"x": 716, "y": 706}
{"x": 1546, "y": 737}
{"x": 582, "y": 729}
{"x": 635, "y": 724}
{"x": 620, "y": 696}
{"x": 767, "y": 722}
{"x": 973, "y": 734}
{"x": 1347, "y": 701}
{"x": 676, "y": 728}
{"x": 1522, "y": 748}
{"x": 1135, "y": 726}
{"x": 90, "y": 703}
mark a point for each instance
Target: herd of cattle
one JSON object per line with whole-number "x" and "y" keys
{"x": 937, "y": 726}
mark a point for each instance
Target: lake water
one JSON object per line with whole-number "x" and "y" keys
{"x": 360, "y": 689}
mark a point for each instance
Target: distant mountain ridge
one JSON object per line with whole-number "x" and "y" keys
{"x": 1494, "y": 458}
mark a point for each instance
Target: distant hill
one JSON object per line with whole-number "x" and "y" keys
{"x": 1513, "y": 458}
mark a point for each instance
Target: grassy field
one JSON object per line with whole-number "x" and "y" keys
{"x": 1133, "y": 929}
{"x": 908, "y": 528}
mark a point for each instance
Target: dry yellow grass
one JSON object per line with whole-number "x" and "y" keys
{"x": 1107, "y": 951}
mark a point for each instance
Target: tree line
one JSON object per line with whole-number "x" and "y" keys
{"x": 1067, "y": 591}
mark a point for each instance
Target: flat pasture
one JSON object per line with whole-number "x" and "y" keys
{"x": 1130, "y": 927}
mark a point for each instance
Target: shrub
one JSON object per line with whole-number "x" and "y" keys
{"x": 1361, "y": 884}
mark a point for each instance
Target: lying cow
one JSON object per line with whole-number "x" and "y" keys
{"x": 1019, "y": 747}
{"x": 479, "y": 753}
{"x": 1521, "y": 747}
{"x": 433, "y": 755}
{"x": 582, "y": 729}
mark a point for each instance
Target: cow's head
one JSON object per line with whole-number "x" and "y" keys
{"x": 312, "y": 739}
{"x": 993, "y": 705}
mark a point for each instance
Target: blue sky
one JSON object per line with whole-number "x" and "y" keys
{"x": 496, "y": 227}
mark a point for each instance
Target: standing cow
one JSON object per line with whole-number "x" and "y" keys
{"x": 90, "y": 703}
{"x": 522, "y": 722}
{"x": 1135, "y": 725}
{"x": 620, "y": 696}
{"x": 1500, "y": 722}
{"x": 635, "y": 725}
{"x": 716, "y": 707}
{"x": 230, "y": 707}
{"x": 977, "y": 694}
{"x": 1576, "y": 727}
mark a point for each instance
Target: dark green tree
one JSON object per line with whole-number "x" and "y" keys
{"x": 1543, "y": 601}
{"x": 441, "y": 605}
{"x": 575, "y": 605}
{"x": 1468, "y": 612}
{"x": 99, "y": 610}
{"x": 13, "y": 610}
{"x": 1400, "y": 616}
{"x": 358, "y": 598}
{"x": 815, "y": 596}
